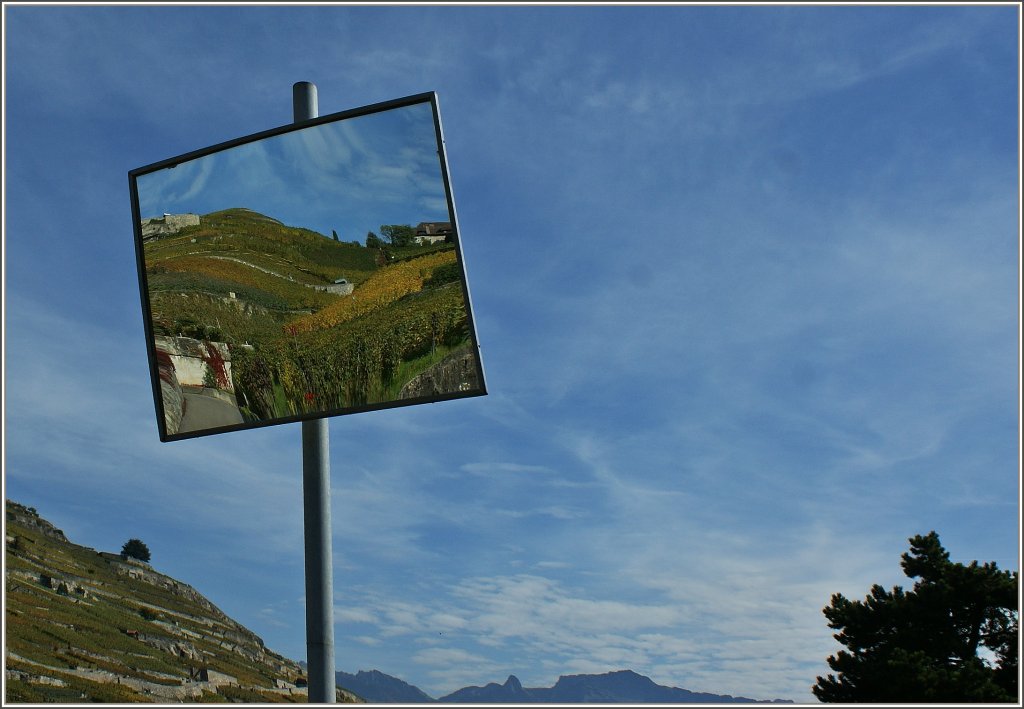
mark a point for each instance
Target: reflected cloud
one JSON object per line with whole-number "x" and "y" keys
{"x": 349, "y": 176}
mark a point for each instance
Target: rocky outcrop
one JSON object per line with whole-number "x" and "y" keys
{"x": 28, "y": 517}
{"x": 455, "y": 373}
{"x": 167, "y": 224}
{"x": 170, "y": 392}
{"x": 173, "y": 646}
{"x": 64, "y": 586}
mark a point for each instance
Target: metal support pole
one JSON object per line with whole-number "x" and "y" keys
{"x": 304, "y": 101}
{"x": 316, "y": 500}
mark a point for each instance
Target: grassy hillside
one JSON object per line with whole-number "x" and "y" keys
{"x": 240, "y": 262}
{"x": 307, "y": 256}
{"x": 82, "y": 625}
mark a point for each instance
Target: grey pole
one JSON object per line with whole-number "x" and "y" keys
{"x": 316, "y": 500}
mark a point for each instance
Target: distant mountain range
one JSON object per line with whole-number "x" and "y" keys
{"x": 624, "y": 686}
{"x": 375, "y": 686}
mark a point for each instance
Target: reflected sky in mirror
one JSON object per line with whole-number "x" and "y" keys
{"x": 349, "y": 176}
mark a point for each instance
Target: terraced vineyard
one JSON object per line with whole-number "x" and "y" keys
{"x": 312, "y": 324}
{"x": 237, "y": 260}
{"x": 380, "y": 290}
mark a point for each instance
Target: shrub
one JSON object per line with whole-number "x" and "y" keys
{"x": 136, "y": 549}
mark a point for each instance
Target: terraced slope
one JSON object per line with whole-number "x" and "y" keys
{"x": 83, "y": 625}
{"x": 239, "y": 276}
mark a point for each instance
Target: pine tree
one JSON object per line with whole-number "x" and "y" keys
{"x": 922, "y": 645}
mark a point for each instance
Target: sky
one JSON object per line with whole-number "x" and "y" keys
{"x": 348, "y": 176}
{"x": 746, "y": 281}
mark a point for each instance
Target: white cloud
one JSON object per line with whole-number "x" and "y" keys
{"x": 500, "y": 468}
{"x": 704, "y": 625}
{"x": 198, "y": 182}
{"x": 278, "y": 615}
{"x": 327, "y": 148}
{"x": 555, "y": 511}
{"x": 452, "y": 669}
{"x": 440, "y": 656}
{"x": 353, "y": 615}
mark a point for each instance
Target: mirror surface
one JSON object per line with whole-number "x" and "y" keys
{"x": 310, "y": 273}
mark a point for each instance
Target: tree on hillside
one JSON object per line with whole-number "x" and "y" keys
{"x": 335, "y": 235}
{"x": 399, "y": 234}
{"x": 136, "y": 549}
{"x": 923, "y": 645}
{"x": 373, "y": 241}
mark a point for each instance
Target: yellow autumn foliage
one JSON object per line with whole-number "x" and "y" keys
{"x": 382, "y": 288}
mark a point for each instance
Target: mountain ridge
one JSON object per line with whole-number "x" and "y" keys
{"x": 384, "y": 688}
{"x": 619, "y": 686}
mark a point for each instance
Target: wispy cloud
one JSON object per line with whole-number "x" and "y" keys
{"x": 504, "y": 467}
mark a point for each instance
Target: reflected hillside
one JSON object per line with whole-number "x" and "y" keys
{"x": 276, "y": 321}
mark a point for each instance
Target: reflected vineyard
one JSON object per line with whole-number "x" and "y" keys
{"x": 269, "y": 321}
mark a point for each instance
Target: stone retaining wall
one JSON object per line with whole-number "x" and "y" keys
{"x": 456, "y": 372}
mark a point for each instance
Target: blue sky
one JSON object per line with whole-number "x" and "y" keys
{"x": 745, "y": 278}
